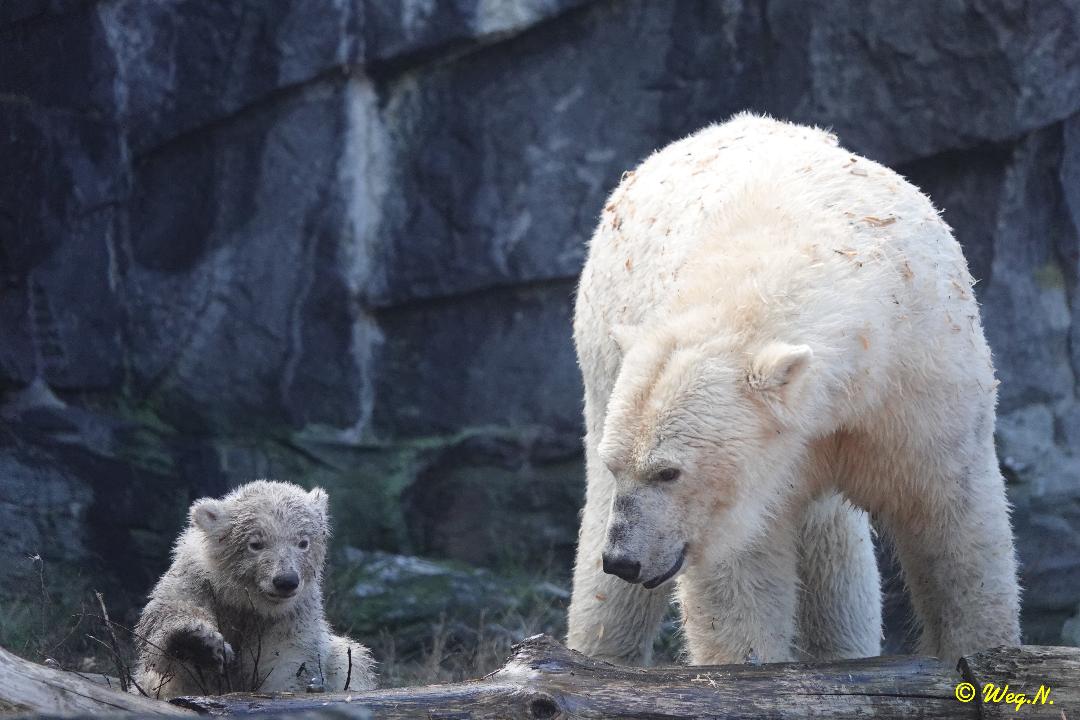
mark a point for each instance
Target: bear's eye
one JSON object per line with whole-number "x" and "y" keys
{"x": 666, "y": 475}
{"x": 303, "y": 544}
{"x": 256, "y": 546}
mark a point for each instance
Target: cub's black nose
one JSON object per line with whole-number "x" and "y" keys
{"x": 286, "y": 582}
{"x": 622, "y": 567}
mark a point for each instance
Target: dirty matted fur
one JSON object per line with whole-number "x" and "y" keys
{"x": 216, "y": 622}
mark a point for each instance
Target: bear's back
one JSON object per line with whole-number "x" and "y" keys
{"x": 842, "y": 251}
{"x": 693, "y": 196}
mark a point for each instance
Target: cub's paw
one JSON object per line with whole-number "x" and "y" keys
{"x": 203, "y": 645}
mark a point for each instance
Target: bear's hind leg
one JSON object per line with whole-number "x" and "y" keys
{"x": 955, "y": 544}
{"x": 840, "y": 587}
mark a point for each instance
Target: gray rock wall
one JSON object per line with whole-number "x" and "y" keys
{"x": 337, "y": 242}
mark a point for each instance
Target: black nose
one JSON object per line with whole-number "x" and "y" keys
{"x": 622, "y": 567}
{"x": 286, "y": 582}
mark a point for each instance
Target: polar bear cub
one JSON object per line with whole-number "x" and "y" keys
{"x": 770, "y": 328}
{"x": 241, "y": 607}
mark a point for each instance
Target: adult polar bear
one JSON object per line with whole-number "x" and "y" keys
{"x": 765, "y": 321}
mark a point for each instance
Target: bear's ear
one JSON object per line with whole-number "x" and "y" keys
{"x": 211, "y": 516}
{"x": 778, "y": 364}
{"x": 319, "y": 499}
{"x": 625, "y": 336}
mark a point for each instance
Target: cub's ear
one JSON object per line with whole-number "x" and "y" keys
{"x": 777, "y": 365}
{"x": 625, "y": 336}
{"x": 319, "y": 499}
{"x": 211, "y": 516}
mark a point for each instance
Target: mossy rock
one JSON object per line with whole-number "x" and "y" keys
{"x": 372, "y": 594}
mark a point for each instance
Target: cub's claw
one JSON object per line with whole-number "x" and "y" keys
{"x": 204, "y": 646}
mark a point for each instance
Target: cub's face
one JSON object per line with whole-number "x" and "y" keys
{"x": 697, "y": 451}
{"x": 267, "y": 545}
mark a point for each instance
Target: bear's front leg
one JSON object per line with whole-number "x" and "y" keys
{"x": 840, "y": 587}
{"x": 609, "y": 618}
{"x": 742, "y": 608}
{"x": 181, "y": 651}
{"x": 185, "y": 656}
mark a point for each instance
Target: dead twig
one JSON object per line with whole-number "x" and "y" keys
{"x": 40, "y": 562}
{"x": 123, "y": 668}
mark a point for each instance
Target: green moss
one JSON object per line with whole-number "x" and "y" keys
{"x": 366, "y": 500}
{"x": 368, "y": 484}
{"x": 372, "y": 595}
{"x": 146, "y": 449}
{"x": 504, "y": 518}
{"x": 1050, "y": 277}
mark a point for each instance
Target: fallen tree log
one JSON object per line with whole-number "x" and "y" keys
{"x": 27, "y": 687}
{"x": 542, "y": 679}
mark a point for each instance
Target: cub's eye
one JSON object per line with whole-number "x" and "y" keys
{"x": 303, "y": 544}
{"x": 666, "y": 475}
{"x": 256, "y": 546}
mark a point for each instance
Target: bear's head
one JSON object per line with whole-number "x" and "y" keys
{"x": 265, "y": 544}
{"x": 701, "y": 437}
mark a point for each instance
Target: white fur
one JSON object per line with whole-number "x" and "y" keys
{"x": 783, "y": 321}
{"x": 216, "y": 623}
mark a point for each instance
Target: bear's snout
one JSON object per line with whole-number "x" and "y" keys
{"x": 622, "y": 567}
{"x": 286, "y": 583}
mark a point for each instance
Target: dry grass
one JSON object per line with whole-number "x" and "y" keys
{"x": 62, "y": 629}
{"x": 454, "y": 653}
{"x": 448, "y": 657}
